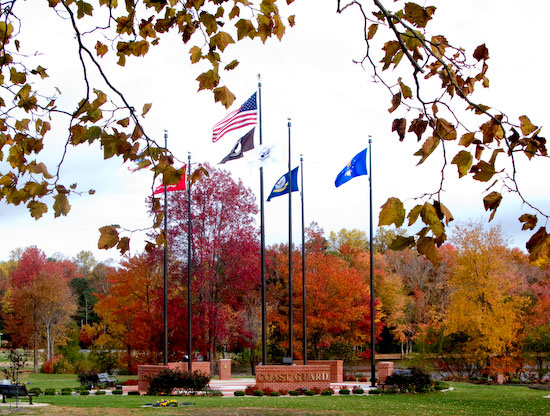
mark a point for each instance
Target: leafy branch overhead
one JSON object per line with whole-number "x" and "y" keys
{"x": 430, "y": 81}
{"x": 108, "y": 31}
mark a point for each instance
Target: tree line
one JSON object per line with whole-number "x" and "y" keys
{"x": 481, "y": 307}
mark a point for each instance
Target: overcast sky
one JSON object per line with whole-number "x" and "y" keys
{"x": 334, "y": 107}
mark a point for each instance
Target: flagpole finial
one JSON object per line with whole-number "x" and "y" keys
{"x": 289, "y": 121}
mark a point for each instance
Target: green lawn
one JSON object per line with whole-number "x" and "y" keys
{"x": 465, "y": 399}
{"x": 57, "y": 381}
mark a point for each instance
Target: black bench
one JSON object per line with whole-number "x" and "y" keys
{"x": 106, "y": 379}
{"x": 14, "y": 390}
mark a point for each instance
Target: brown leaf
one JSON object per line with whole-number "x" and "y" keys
{"x": 463, "y": 160}
{"x": 481, "y": 52}
{"x": 399, "y": 125}
{"x": 395, "y": 102}
{"x": 538, "y": 244}
{"x": 526, "y": 126}
{"x": 108, "y": 237}
{"x": 529, "y": 221}
{"x": 492, "y": 202}
{"x": 418, "y": 127}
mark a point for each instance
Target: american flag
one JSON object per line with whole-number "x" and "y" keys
{"x": 245, "y": 115}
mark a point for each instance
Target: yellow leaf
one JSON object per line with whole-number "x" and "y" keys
{"x": 526, "y": 126}
{"x": 146, "y": 109}
{"x": 392, "y": 212}
{"x": 61, "y": 205}
{"x": 223, "y": 95}
{"x": 108, "y": 237}
{"x": 196, "y": 54}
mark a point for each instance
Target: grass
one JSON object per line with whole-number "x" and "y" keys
{"x": 58, "y": 381}
{"x": 466, "y": 399}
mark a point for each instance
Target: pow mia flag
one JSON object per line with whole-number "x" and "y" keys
{"x": 244, "y": 144}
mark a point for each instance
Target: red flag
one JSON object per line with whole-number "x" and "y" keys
{"x": 180, "y": 186}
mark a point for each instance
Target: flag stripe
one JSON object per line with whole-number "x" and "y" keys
{"x": 245, "y": 115}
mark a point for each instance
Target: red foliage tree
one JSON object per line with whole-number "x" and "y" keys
{"x": 225, "y": 264}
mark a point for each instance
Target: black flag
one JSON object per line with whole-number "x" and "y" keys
{"x": 244, "y": 144}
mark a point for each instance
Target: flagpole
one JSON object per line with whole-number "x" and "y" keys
{"x": 304, "y": 306}
{"x": 189, "y": 258}
{"x": 262, "y": 237}
{"x": 372, "y": 333}
{"x": 165, "y": 265}
{"x": 290, "y": 289}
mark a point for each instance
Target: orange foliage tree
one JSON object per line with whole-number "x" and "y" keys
{"x": 131, "y": 311}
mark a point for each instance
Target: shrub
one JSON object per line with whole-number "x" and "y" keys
{"x": 374, "y": 391}
{"x": 249, "y": 391}
{"x": 168, "y": 380}
{"x": 87, "y": 378}
{"x": 317, "y": 390}
{"x": 100, "y": 392}
{"x": 309, "y": 393}
{"x": 117, "y": 392}
{"x": 349, "y": 377}
{"x": 258, "y": 393}
{"x": 130, "y": 382}
{"x": 84, "y": 393}
{"x": 327, "y": 392}
{"x": 214, "y": 393}
{"x": 293, "y": 393}
{"x": 275, "y": 394}
{"x": 49, "y": 392}
{"x": 239, "y": 393}
{"x": 441, "y": 385}
{"x": 358, "y": 390}
{"x": 133, "y": 393}
{"x": 268, "y": 391}
{"x": 283, "y": 392}
{"x": 410, "y": 381}
{"x": 363, "y": 380}
{"x": 66, "y": 391}
{"x": 37, "y": 391}
{"x": 343, "y": 391}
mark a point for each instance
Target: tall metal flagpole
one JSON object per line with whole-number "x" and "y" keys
{"x": 189, "y": 259}
{"x": 165, "y": 265}
{"x": 304, "y": 305}
{"x": 372, "y": 341}
{"x": 290, "y": 290}
{"x": 262, "y": 237}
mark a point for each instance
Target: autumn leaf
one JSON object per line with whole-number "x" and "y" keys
{"x": 463, "y": 160}
{"x": 224, "y": 96}
{"x": 529, "y": 221}
{"x": 427, "y": 148}
{"x": 61, "y": 205}
{"x": 392, "y": 212}
{"x": 526, "y": 126}
{"x": 146, "y": 109}
{"x": 372, "y": 31}
{"x": 399, "y": 125}
{"x": 417, "y": 15}
{"x": 481, "y": 53}
{"x": 108, "y": 237}
{"x": 395, "y": 102}
{"x": 418, "y": 127}
{"x": 401, "y": 243}
{"x": 492, "y": 202}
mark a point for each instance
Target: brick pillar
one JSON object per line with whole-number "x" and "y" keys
{"x": 385, "y": 369}
{"x": 225, "y": 369}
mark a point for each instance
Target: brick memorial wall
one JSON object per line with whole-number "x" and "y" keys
{"x": 292, "y": 377}
{"x": 336, "y": 369}
{"x": 149, "y": 371}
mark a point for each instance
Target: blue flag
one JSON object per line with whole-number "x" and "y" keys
{"x": 281, "y": 186}
{"x": 357, "y": 167}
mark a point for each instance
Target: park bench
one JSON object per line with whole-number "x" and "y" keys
{"x": 106, "y": 379}
{"x": 14, "y": 390}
